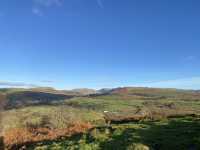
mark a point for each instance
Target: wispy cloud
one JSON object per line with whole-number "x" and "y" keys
{"x": 16, "y": 84}
{"x": 190, "y": 58}
{"x": 40, "y": 5}
{"x": 48, "y": 3}
{"x": 182, "y": 83}
{"x": 37, "y": 11}
{"x": 47, "y": 81}
{"x": 100, "y": 3}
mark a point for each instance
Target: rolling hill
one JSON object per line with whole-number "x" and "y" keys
{"x": 99, "y": 119}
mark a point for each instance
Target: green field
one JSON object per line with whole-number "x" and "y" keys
{"x": 174, "y": 134}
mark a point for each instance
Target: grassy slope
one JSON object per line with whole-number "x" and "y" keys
{"x": 174, "y": 134}
{"x": 91, "y": 108}
{"x": 58, "y": 116}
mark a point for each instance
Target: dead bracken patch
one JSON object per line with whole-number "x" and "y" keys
{"x": 15, "y": 138}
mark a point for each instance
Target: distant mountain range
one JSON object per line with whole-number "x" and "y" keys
{"x": 22, "y": 97}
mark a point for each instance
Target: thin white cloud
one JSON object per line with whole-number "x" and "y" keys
{"x": 40, "y": 5}
{"x": 16, "y": 84}
{"x": 183, "y": 83}
{"x": 48, "y": 3}
{"x": 100, "y": 3}
{"x": 190, "y": 58}
{"x": 47, "y": 81}
{"x": 37, "y": 11}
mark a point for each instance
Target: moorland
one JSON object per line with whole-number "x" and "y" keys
{"x": 127, "y": 118}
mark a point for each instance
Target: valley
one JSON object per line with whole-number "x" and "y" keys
{"x": 123, "y": 118}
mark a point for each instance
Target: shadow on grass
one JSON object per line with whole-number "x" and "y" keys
{"x": 1, "y": 143}
{"x": 31, "y": 98}
{"x": 177, "y": 134}
{"x": 119, "y": 142}
{"x": 31, "y": 145}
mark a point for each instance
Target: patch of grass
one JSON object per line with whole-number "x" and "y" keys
{"x": 58, "y": 116}
{"x": 176, "y": 134}
{"x": 109, "y": 103}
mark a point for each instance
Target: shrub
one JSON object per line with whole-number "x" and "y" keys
{"x": 41, "y": 122}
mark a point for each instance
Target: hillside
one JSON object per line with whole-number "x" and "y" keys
{"x": 89, "y": 119}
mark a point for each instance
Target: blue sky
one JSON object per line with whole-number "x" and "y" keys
{"x": 100, "y": 43}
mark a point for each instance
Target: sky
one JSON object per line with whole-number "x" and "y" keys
{"x": 97, "y": 44}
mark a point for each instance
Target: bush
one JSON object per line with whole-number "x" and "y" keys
{"x": 40, "y": 122}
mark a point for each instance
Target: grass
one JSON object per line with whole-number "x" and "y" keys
{"x": 106, "y": 103}
{"x": 58, "y": 116}
{"x": 176, "y": 134}
{"x": 116, "y": 102}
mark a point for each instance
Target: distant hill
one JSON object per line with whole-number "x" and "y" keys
{"x": 157, "y": 93}
{"x": 104, "y": 91}
{"x": 24, "y": 97}
{"x": 16, "y": 98}
{"x": 84, "y": 91}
